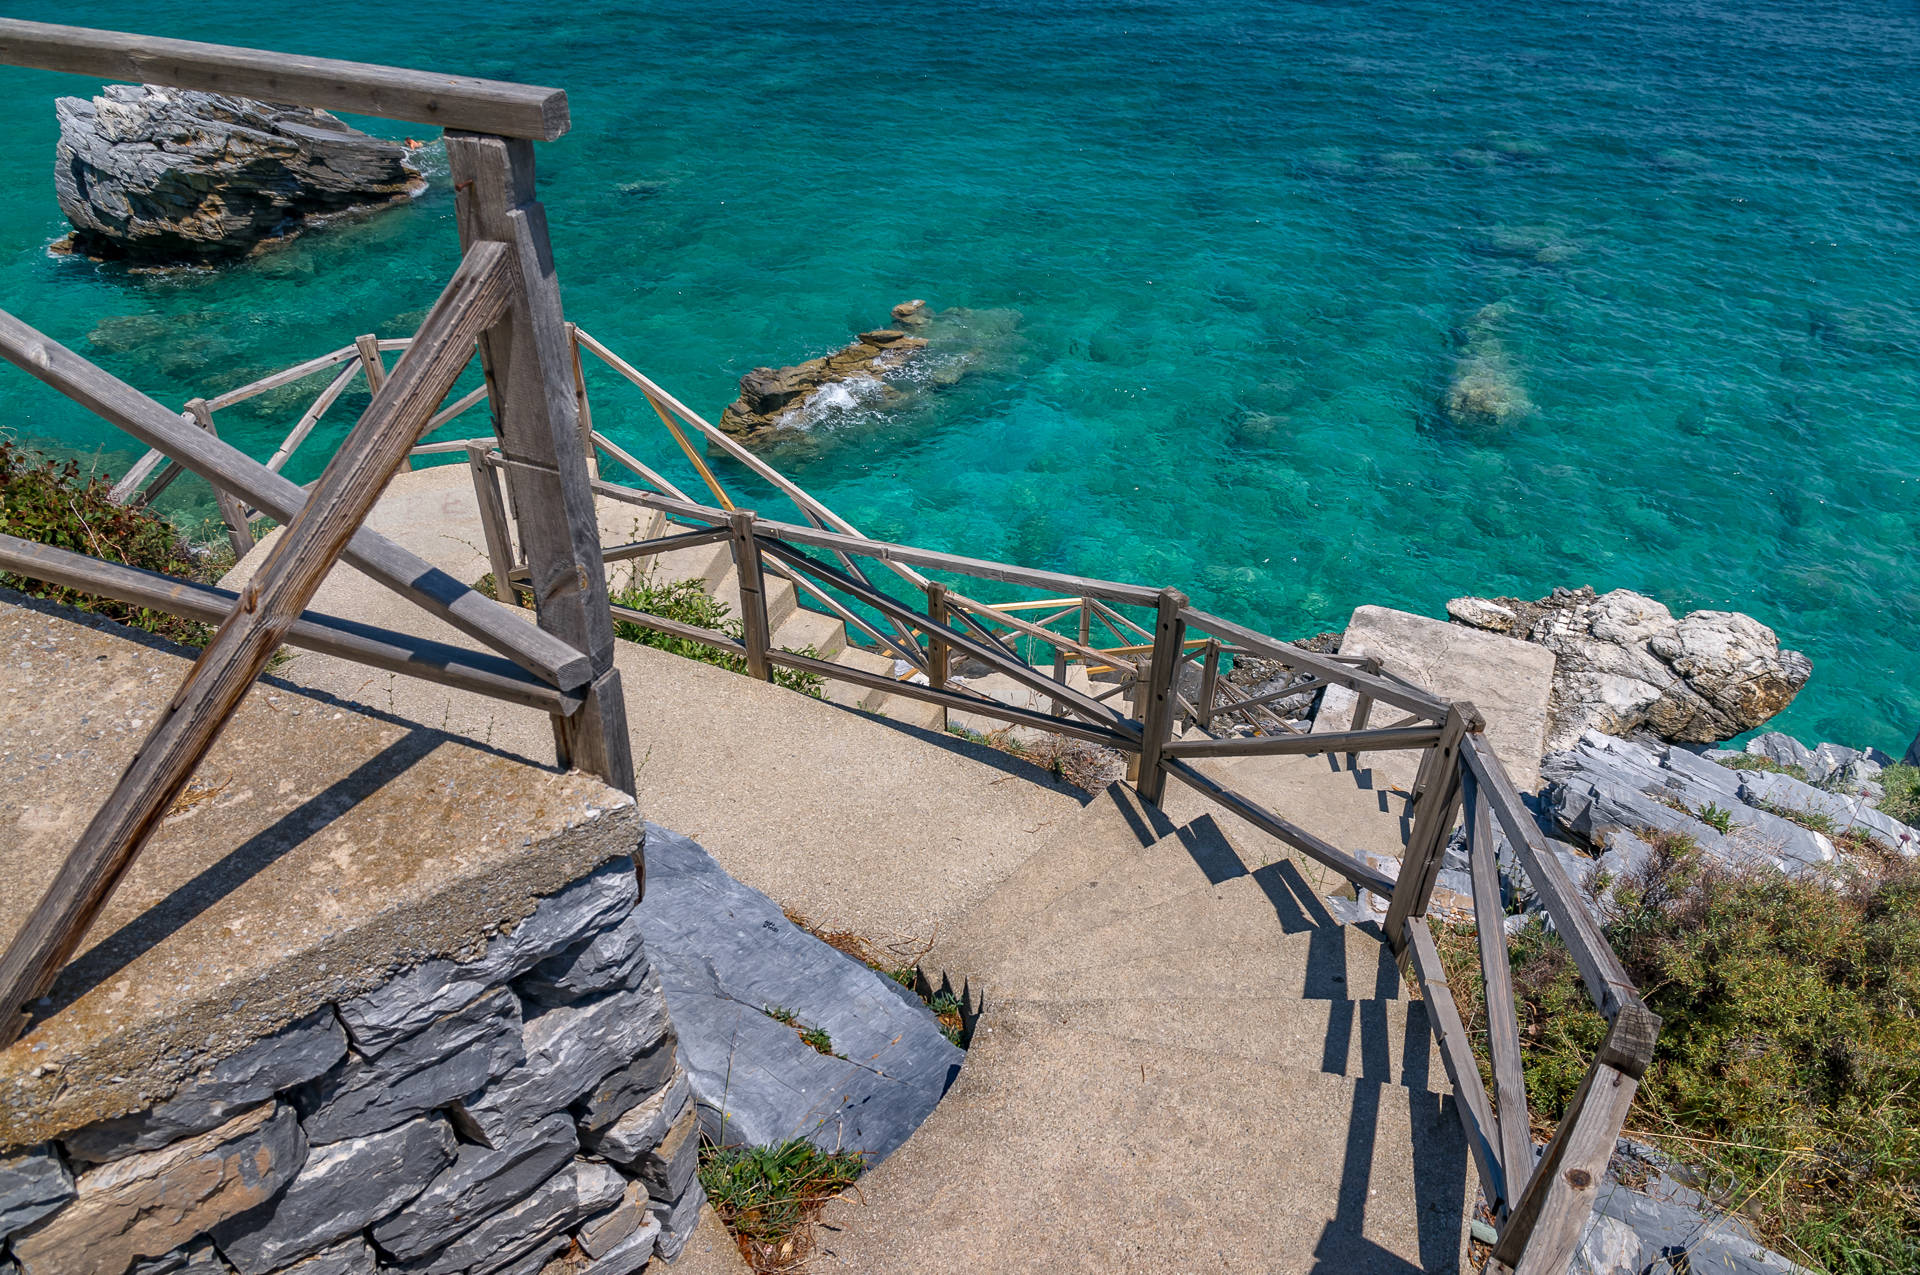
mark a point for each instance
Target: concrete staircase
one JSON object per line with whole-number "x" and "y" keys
{"x": 1180, "y": 1060}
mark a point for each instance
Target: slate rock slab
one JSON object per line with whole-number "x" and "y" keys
{"x": 352, "y": 1256}
{"x": 1633, "y": 1233}
{"x": 635, "y": 1134}
{"x": 197, "y": 1258}
{"x": 617, "y": 1094}
{"x": 150, "y": 1204}
{"x": 725, "y": 952}
{"x": 481, "y": 1180}
{"x": 454, "y": 1055}
{"x": 296, "y": 1053}
{"x": 609, "y": 961}
{"x": 569, "y": 1050}
{"x": 411, "y": 1001}
{"x": 572, "y": 1195}
{"x": 33, "y": 1183}
{"x": 678, "y": 1220}
{"x": 342, "y": 1188}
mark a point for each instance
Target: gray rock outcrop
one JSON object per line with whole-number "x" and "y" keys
{"x": 174, "y": 173}
{"x": 1623, "y": 665}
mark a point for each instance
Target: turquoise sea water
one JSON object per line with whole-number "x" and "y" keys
{"x": 1254, "y": 251}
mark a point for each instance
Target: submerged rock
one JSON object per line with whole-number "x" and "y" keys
{"x": 1624, "y": 666}
{"x": 178, "y": 174}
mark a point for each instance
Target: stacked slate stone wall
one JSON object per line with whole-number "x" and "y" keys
{"x": 516, "y": 1113}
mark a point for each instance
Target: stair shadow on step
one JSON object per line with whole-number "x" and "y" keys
{"x": 1439, "y": 1181}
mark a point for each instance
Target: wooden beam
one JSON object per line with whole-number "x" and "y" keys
{"x": 1496, "y": 974}
{"x": 267, "y": 609}
{"x": 529, "y": 375}
{"x": 1373, "y": 741}
{"x": 993, "y": 657}
{"x": 420, "y": 97}
{"x": 664, "y": 544}
{"x": 129, "y": 485}
{"x": 232, "y": 510}
{"x": 753, "y": 595}
{"x": 1349, "y": 866}
{"x": 1434, "y": 810}
{"x": 1456, "y": 1055}
{"x": 367, "y": 644}
{"x": 1607, "y": 980}
{"x": 280, "y": 499}
{"x": 1157, "y": 708}
{"x": 1552, "y": 1211}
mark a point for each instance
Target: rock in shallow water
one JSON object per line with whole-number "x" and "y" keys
{"x": 174, "y": 173}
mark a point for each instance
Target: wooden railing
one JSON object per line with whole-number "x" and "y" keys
{"x": 540, "y": 543}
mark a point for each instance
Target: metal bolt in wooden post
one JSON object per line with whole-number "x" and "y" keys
{"x": 1157, "y": 716}
{"x": 531, "y": 385}
{"x": 753, "y": 594}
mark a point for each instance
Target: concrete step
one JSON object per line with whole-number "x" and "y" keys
{"x": 1068, "y": 1150}
{"x": 1386, "y": 1041}
{"x": 1324, "y": 795}
{"x": 895, "y": 708}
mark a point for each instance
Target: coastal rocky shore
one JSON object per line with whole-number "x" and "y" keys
{"x": 1624, "y": 666}
{"x": 174, "y": 174}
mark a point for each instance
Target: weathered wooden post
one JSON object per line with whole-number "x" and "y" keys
{"x": 1209, "y": 685}
{"x": 1436, "y": 805}
{"x": 531, "y": 387}
{"x": 753, "y": 595}
{"x": 581, "y": 407}
{"x": 1157, "y": 715}
{"x": 493, "y": 522}
{"x": 233, "y": 510}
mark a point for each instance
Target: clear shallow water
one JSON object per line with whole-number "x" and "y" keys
{"x": 1255, "y": 253}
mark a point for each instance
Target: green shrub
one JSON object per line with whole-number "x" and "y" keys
{"x": 49, "y": 502}
{"x": 1754, "y": 761}
{"x": 688, "y": 602}
{"x": 1902, "y": 801}
{"x": 1788, "y": 1065}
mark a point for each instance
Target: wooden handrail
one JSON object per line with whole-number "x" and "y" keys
{"x": 266, "y": 611}
{"x": 367, "y": 644}
{"x": 118, "y": 403}
{"x": 420, "y": 97}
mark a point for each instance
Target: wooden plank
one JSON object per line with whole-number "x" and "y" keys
{"x": 369, "y": 347}
{"x": 675, "y": 628}
{"x": 129, "y": 485}
{"x": 663, "y": 544}
{"x": 493, "y": 524}
{"x": 298, "y": 372}
{"x": 233, "y": 511}
{"x": 937, "y": 656}
{"x": 993, "y": 657}
{"x": 1607, "y": 980}
{"x": 1503, "y": 1024}
{"x": 420, "y": 97}
{"x": 267, "y": 608}
{"x": 451, "y": 445}
{"x": 1373, "y": 741}
{"x": 441, "y": 418}
{"x": 582, "y": 410}
{"x": 964, "y": 602}
{"x": 529, "y": 375}
{"x": 979, "y": 705}
{"x": 406, "y": 574}
{"x": 753, "y": 595}
{"x": 1209, "y": 684}
{"x": 1349, "y": 866}
{"x": 1157, "y": 715}
{"x": 1456, "y": 1054}
{"x": 1546, "y": 1223}
{"x": 607, "y": 445}
{"x": 368, "y": 644}
{"x": 1293, "y": 688}
{"x": 1385, "y": 689}
{"x": 311, "y": 417}
{"x": 1433, "y": 816}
